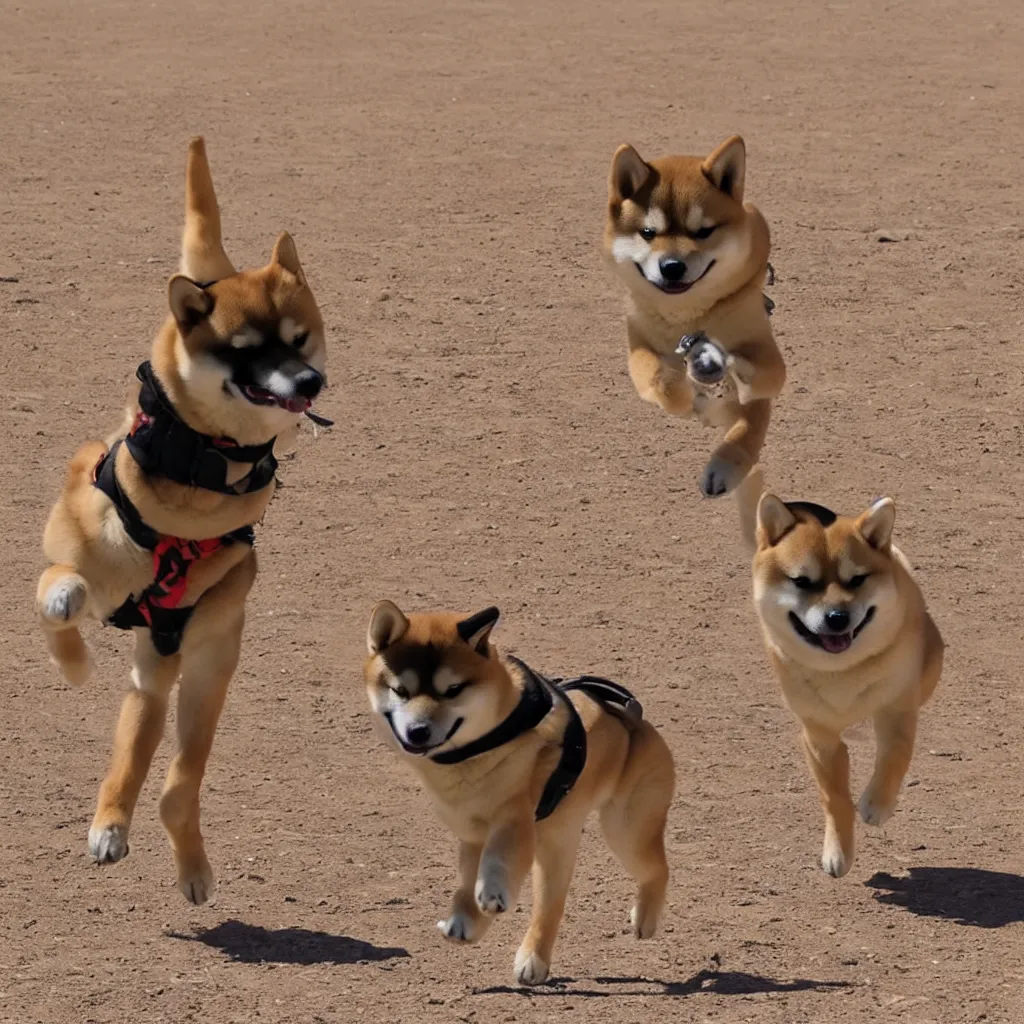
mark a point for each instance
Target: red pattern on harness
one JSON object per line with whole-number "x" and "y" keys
{"x": 172, "y": 558}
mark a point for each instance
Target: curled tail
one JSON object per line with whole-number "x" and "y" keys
{"x": 202, "y": 251}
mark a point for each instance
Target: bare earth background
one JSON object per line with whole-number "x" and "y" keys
{"x": 442, "y": 167}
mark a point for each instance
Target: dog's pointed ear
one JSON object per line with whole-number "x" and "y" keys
{"x": 629, "y": 172}
{"x": 726, "y": 167}
{"x": 774, "y": 520}
{"x": 875, "y": 525}
{"x": 476, "y": 630}
{"x": 190, "y": 305}
{"x": 387, "y": 626}
{"x": 287, "y": 256}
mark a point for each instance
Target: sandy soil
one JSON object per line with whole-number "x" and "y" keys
{"x": 443, "y": 166}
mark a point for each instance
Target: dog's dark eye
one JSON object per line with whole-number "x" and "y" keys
{"x": 400, "y": 692}
{"x": 804, "y": 583}
{"x": 702, "y": 233}
{"x": 856, "y": 581}
{"x": 454, "y": 691}
{"x": 300, "y": 339}
{"x": 648, "y": 234}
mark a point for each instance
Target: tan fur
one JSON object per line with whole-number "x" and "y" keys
{"x": 489, "y": 801}
{"x": 95, "y": 566}
{"x": 685, "y": 193}
{"x": 887, "y": 674}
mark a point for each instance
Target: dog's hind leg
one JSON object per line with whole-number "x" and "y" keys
{"x": 209, "y": 654}
{"x": 61, "y": 599}
{"x": 139, "y": 731}
{"x": 202, "y": 250}
{"x": 554, "y": 860}
{"x": 733, "y": 459}
{"x": 634, "y": 820}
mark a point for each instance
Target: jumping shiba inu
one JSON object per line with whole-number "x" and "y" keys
{"x": 850, "y": 638}
{"x": 153, "y": 531}
{"x": 694, "y": 260}
{"x": 514, "y": 764}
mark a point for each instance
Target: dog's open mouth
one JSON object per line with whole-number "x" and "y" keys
{"x": 674, "y": 287}
{"x": 263, "y": 396}
{"x": 832, "y": 643}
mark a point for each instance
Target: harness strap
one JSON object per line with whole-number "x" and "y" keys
{"x": 538, "y": 698}
{"x": 164, "y": 445}
{"x": 157, "y": 607}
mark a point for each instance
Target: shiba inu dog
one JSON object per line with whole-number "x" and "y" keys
{"x": 153, "y": 531}
{"x": 514, "y": 764}
{"x": 850, "y": 638}
{"x": 694, "y": 258}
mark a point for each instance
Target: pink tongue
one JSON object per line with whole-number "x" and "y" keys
{"x": 835, "y": 644}
{"x": 297, "y": 404}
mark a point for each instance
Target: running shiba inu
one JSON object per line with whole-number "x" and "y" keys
{"x": 694, "y": 260}
{"x": 514, "y": 764}
{"x": 154, "y": 532}
{"x": 850, "y": 638}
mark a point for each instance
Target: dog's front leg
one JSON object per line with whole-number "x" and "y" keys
{"x": 656, "y": 380}
{"x": 209, "y": 654}
{"x": 466, "y": 922}
{"x": 552, "y": 872}
{"x": 139, "y": 731}
{"x": 505, "y": 859}
{"x": 895, "y": 730}
{"x": 829, "y": 761}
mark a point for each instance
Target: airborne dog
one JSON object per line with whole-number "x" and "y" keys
{"x": 694, "y": 260}
{"x": 153, "y": 532}
{"x": 514, "y": 764}
{"x": 850, "y": 638}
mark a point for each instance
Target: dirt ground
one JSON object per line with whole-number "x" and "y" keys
{"x": 442, "y": 167}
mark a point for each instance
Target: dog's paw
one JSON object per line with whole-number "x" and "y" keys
{"x": 492, "y": 895}
{"x": 873, "y": 811}
{"x": 196, "y": 882}
{"x": 834, "y": 861}
{"x": 108, "y": 845}
{"x": 530, "y": 969}
{"x": 459, "y": 928}
{"x": 644, "y": 922}
{"x": 64, "y": 600}
{"x": 720, "y": 477}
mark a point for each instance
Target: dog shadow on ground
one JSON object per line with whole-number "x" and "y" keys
{"x": 253, "y": 944}
{"x": 968, "y": 896}
{"x": 722, "y": 983}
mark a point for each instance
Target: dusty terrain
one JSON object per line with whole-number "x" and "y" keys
{"x": 442, "y": 167}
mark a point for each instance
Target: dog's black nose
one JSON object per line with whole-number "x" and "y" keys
{"x": 417, "y": 735}
{"x": 837, "y": 619}
{"x": 672, "y": 269}
{"x": 308, "y": 383}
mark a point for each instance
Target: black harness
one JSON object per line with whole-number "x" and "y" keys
{"x": 539, "y": 697}
{"x": 164, "y": 445}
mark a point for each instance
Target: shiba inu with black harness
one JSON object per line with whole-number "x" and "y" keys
{"x": 514, "y": 764}
{"x": 154, "y": 531}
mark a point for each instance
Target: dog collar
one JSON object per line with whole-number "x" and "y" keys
{"x": 164, "y": 445}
